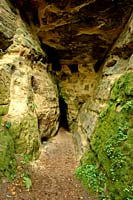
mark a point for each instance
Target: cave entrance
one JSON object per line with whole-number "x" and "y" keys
{"x": 63, "y": 113}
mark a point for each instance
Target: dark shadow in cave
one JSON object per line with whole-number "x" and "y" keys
{"x": 44, "y": 140}
{"x": 73, "y": 68}
{"x": 52, "y": 56}
{"x": 28, "y": 13}
{"x": 63, "y": 113}
{"x": 63, "y": 119}
{"x": 98, "y": 65}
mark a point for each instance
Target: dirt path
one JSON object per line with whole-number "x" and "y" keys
{"x": 52, "y": 175}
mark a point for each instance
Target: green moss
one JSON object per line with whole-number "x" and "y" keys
{"x": 7, "y": 155}
{"x": 3, "y": 109}
{"x": 18, "y": 138}
{"x": 111, "y": 145}
{"x": 25, "y": 135}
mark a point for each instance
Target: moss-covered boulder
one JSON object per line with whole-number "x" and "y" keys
{"x": 106, "y": 167}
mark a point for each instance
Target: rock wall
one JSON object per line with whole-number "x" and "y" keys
{"x": 119, "y": 61}
{"x": 7, "y": 26}
{"x": 107, "y": 162}
{"x": 81, "y": 31}
{"x": 106, "y": 168}
{"x": 76, "y": 84}
{"x": 89, "y": 46}
{"x": 29, "y": 106}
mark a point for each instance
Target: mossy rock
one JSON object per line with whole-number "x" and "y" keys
{"x": 26, "y": 136}
{"x": 17, "y": 138}
{"x": 7, "y": 155}
{"x": 3, "y": 110}
{"x": 111, "y": 146}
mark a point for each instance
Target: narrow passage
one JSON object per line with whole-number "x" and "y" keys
{"x": 52, "y": 174}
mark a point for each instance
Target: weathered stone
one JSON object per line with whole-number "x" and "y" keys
{"x": 46, "y": 101}
{"x": 121, "y": 52}
{"x": 5, "y": 79}
{"x": 29, "y": 112}
{"x": 110, "y": 147}
{"x": 7, "y": 25}
{"x": 24, "y": 123}
{"x": 25, "y": 134}
{"x": 80, "y": 31}
{"x": 76, "y": 87}
{"x": 110, "y": 73}
{"x": 81, "y": 40}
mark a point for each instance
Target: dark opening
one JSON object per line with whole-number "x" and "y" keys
{"x": 52, "y": 57}
{"x": 97, "y": 65}
{"x": 44, "y": 140}
{"x": 63, "y": 113}
{"x": 28, "y": 13}
{"x": 73, "y": 68}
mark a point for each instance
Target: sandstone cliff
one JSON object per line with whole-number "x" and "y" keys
{"x": 59, "y": 66}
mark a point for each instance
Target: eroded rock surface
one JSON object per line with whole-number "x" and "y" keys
{"x": 7, "y": 25}
{"x": 89, "y": 45}
{"x": 76, "y": 83}
{"x": 46, "y": 101}
{"x": 116, "y": 64}
{"x": 80, "y": 31}
{"x": 23, "y": 108}
{"x": 109, "y": 152}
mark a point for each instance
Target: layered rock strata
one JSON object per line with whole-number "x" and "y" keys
{"x": 29, "y": 106}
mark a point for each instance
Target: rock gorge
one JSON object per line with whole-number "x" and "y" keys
{"x": 59, "y": 64}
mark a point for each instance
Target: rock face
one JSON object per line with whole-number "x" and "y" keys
{"x": 109, "y": 142}
{"x": 7, "y": 154}
{"x": 89, "y": 46}
{"x": 76, "y": 84}
{"x": 7, "y": 25}
{"x": 46, "y": 101}
{"x": 116, "y": 64}
{"x": 110, "y": 148}
{"x": 80, "y": 31}
{"x": 29, "y": 106}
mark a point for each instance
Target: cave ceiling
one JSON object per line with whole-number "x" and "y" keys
{"x": 78, "y": 31}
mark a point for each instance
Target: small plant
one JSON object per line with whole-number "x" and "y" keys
{"x": 92, "y": 178}
{"x": 129, "y": 192}
{"x": 117, "y": 159}
{"x": 128, "y": 105}
{"x": 24, "y": 170}
{"x": 1, "y": 51}
{"x": 27, "y": 180}
{"x": 26, "y": 159}
{"x": 121, "y": 134}
{"x": 8, "y": 124}
{"x": 12, "y": 176}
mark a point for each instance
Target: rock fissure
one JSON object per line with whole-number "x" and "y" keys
{"x": 63, "y": 113}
